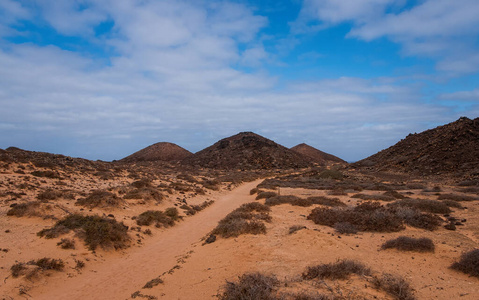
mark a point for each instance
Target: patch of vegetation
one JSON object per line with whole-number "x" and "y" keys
{"x": 341, "y": 269}
{"x": 432, "y": 206}
{"x": 404, "y": 243}
{"x": 42, "y": 264}
{"x": 51, "y": 194}
{"x": 265, "y": 195}
{"x": 297, "y": 201}
{"x": 100, "y": 198}
{"x": 254, "y": 191}
{"x": 326, "y": 201}
{"x": 66, "y": 244}
{"x": 94, "y": 230}
{"x": 46, "y": 174}
{"x": 152, "y": 283}
{"x": 247, "y": 219}
{"x": 193, "y": 209}
{"x": 468, "y": 263}
{"x": 250, "y": 286}
{"x": 145, "y": 193}
{"x": 28, "y": 209}
{"x": 457, "y": 197}
{"x": 331, "y": 174}
{"x": 415, "y": 218}
{"x": 453, "y": 203}
{"x": 345, "y": 228}
{"x": 395, "y": 286}
{"x": 382, "y": 197}
{"x": 160, "y": 218}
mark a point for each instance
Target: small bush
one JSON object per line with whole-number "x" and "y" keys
{"x": 382, "y": 197}
{"x": 50, "y": 194}
{"x": 94, "y": 230}
{"x": 413, "y": 217}
{"x": 404, "y": 243}
{"x": 152, "y": 283}
{"x": 265, "y": 195}
{"x": 293, "y": 200}
{"x": 18, "y": 269}
{"x": 25, "y": 209}
{"x": 395, "y": 286}
{"x": 456, "y": 197}
{"x": 46, "y": 174}
{"x": 453, "y": 203}
{"x": 66, "y": 244}
{"x": 142, "y": 183}
{"x": 250, "y": 286}
{"x": 144, "y": 193}
{"x": 248, "y": 218}
{"x": 156, "y": 216}
{"x": 331, "y": 174}
{"x": 254, "y": 191}
{"x": 341, "y": 269}
{"x": 468, "y": 263}
{"x": 100, "y": 198}
{"x": 326, "y": 201}
{"x": 42, "y": 264}
{"x": 425, "y": 205}
{"x": 345, "y": 227}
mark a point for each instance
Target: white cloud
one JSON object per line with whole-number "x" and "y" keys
{"x": 440, "y": 29}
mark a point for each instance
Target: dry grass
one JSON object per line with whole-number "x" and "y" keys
{"x": 341, "y": 269}
{"x": 468, "y": 263}
{"x": 32, "y": 268}
{"x": 145, "y": 193}
{"x": 66, "y": 244}
{"x": 297, "y": 201}
{"x": 247, "y": 219}
{"x": 395, "y": 286}
{"x": 457, "y": 197}
{"x": 431, "y": 206}
{"x": 404, "y": 243}
{"x": 28, "y": 209}
{"x": 160, "y": 218}
{"x": 382, "y": 197}
{"x": 250, "y": 286}
{"x": 94, "y": 230}
{"x": 100, "y": 198}
{"x": 265, "y": 195}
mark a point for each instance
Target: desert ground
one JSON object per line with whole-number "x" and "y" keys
{"x": 177, "y": 262}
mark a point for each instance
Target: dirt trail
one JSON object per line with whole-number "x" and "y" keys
{"x": 119, "y": 277}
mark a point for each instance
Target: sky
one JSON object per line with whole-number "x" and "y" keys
{"x": 101, "y": 79}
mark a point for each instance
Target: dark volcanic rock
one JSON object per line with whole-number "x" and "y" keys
{"x": 247, "y": 151}
{"x": 451, "y": 149}
{"x": 316, "y": 155}
{"x": 159, "y": 152}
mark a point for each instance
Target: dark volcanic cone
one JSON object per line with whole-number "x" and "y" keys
{"x": 449, "y": 149}
{"x": 316, "y": 155}
{"x": 248, "y": 151}
{"x": 159, "y": 152}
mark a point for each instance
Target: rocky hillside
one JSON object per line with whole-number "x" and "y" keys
{"x": 451, "y": 149}
{"x": 159, "y": 152}
{"x": 316, "y": 155}
{"x": 247, "y": 151}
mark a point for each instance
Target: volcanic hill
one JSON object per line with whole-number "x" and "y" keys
{"x": 159, "y": 152}
{"x": 451, "y": 149}
{"x": 248, "y": 151}
{"x": 316, "y": 155}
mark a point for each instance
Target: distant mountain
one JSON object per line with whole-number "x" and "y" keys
{"x": 316, "y": 155}
{"x": 247, "y": 150}
{"x": 449, "y": 149}
{"x": 159, "y": 152}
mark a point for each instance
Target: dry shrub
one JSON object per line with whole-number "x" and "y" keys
{"x": 331, "y": 174}
{"x": 413, "y": 217}
{"x": 100, "y": 198}
{"x": 341, "y": 269}
{"x": 345, "y": 227}
{"x": 51, "y": 194}
{"x": 46, "y": 174}
{"x": 94, "y": 230}
{"x": 404, "y": 243}
{"x": 142, "y": 183}
{"x": 362, "y": 217}
{"x": 248, "y": 218}
{"x": 66, "y": 244}
{"x": 145, "y": 193}
{"x": 453, "y": 203}
{"x": 158, "y": 217}
{"x": 42, "y": 264}
{"x": 425, "y": 205}
{"x": 254, "y": 191}
{"x": 382, "y": 197}
{"x": 395, "y": 286}
{"x": 250, "y": 286}
{"x": 211, "y": 185}
{"x": 265, "y": 195}
{"x": 295, "y": 228}
{"x": 193, "y": 209}
{"x": 468, "y": 263}
{"x": 152, "y": 283}
{"x": 394, "y": 194}
{"x": 326, "y": 201}
{"x": 456, "y": 197}
{"x": 28, "y": 209}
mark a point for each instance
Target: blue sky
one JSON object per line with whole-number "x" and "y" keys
{"x": 101, "y": 79}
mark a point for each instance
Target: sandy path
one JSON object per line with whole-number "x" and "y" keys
{"x": 119, "y": 277}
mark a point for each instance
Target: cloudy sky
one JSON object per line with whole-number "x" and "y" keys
{"x": 101, "y": 79}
